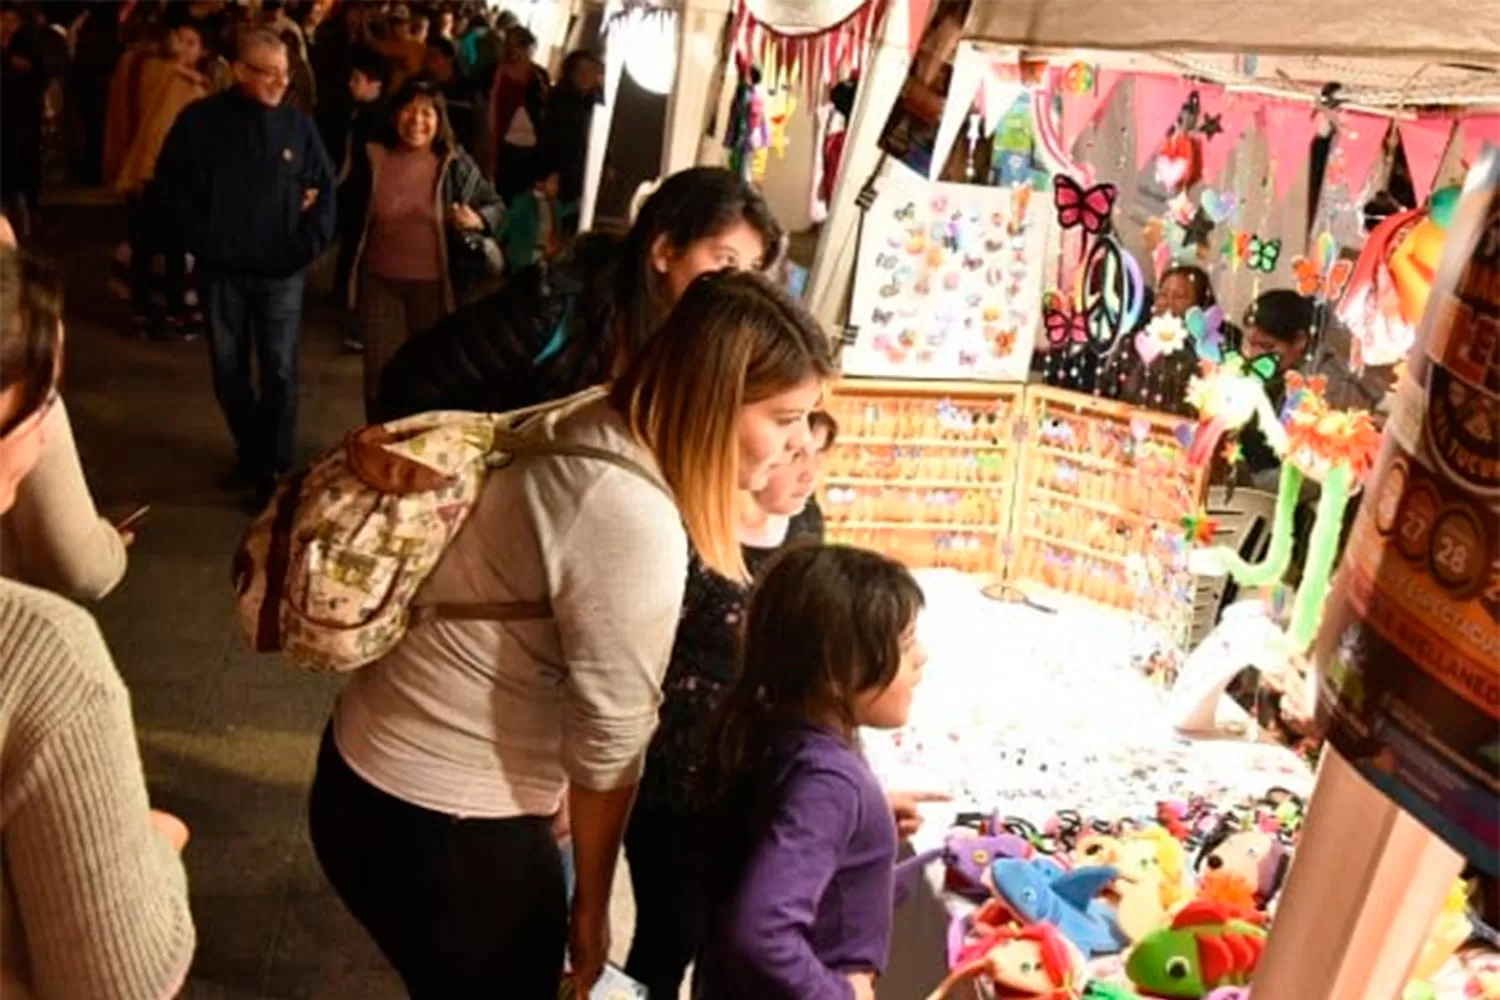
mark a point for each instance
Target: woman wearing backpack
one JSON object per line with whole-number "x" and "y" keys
{"x": 445, "y": 762}
{"x": 555, "y": 329}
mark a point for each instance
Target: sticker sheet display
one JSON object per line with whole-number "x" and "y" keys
{"x": 949, "y": 282}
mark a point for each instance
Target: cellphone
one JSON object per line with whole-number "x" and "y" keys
{"x": 613, "y": 984}
{"x": 134, "y": 518}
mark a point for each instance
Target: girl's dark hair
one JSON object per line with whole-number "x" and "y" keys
{"x": 690, "y": 205}
{"x": 30, "y": 329}
{"x": 1282, "y": 313}
{"x": 825, "y": 625}
{"x": 1203, "y": 286}
{"x": 420, "y": 89}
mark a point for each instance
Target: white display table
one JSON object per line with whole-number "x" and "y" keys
{"x": 1029, "y": 712}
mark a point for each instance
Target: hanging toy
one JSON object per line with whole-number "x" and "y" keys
{"x": 1393, "y": 278}
{"x": 748, "y": 134}
{"x": 778, "y": 109}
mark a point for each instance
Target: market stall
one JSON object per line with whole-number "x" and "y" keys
{"x": 995, "y": 275}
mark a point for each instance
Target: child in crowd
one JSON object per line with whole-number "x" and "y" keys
{"x": 534, "y": 225}
{"x": 802, "y": 840}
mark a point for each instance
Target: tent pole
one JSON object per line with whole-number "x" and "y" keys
{"x": 700, "y": 26}
{"x": 1366, "y": 885}
{"x": 879, "y": 85}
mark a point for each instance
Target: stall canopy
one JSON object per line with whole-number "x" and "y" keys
{"x": 1435, "y": 30}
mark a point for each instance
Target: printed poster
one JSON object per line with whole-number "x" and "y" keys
{"x": 948, "y": 282}
{"x": 1410, "y": 650}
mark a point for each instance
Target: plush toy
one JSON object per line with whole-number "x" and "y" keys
{"x": 1151, "y": 866}
{"x": 1451, "y": 929}
{"x": 1257, "y": 858}
{"x": 967, "y": 856}
{"x": 1035, "y": 962}
{"x": 1204, "y": 949}
{"x": 1038, "y": 891}
{"x": 1231, "y": 891}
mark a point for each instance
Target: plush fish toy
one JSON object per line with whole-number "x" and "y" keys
{"x": 1204, "y": 949}
{"x": 1038, "y": 891}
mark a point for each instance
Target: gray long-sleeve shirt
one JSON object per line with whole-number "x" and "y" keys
{"x": 493, "y": 719}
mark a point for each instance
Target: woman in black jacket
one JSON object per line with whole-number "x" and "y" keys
{"x": 427, "y": 219}
{"x": 554, "y": 329}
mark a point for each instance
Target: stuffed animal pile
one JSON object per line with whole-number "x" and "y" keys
{"x": 1174, "y": 906}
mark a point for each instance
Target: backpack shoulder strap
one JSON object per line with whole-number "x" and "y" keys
{"x": 510, "y": 611}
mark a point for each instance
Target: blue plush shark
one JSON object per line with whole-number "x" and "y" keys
{"x": 1040, "y": 892}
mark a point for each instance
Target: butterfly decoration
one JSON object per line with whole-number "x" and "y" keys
{"x": 994, "y": 246}
{"x": 885, "y": 261}
{"x": 1077, "y": 206}
{"x": 1207, "y": 329}
{"x": 1237, "y": 248}
{"x": 1004, "y": 342}
{"x": 1325, "y": 274}
{"x": 890, "y": 290}
{"x": 1065, "y": 327}
{"x": 1199, "y": 527}
{"x": 973, "y": 263}
{"x": 907, "y": 212}
{"x": 881, "y": 317}
{"x": 1264, "y": 254}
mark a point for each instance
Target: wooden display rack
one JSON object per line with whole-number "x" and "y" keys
{"x": 1029, "y": 485}
{"x": 1099, "y": 510}
{"x": 924, "y": 471}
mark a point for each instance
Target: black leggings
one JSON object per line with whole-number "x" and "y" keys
{"x": 461, "y": 907}
{"x": 664, "y": 848}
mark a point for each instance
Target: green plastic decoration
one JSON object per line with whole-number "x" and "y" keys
{"x": 1273, "y": 567}
{"x": 1322, "y": 551}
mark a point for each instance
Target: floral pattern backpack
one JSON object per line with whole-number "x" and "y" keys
{"x": 327, "y": 574}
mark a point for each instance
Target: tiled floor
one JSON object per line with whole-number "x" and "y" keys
{"x": 229, "y": 738}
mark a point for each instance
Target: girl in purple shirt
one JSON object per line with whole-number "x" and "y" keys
{"x": 803, "y": 844}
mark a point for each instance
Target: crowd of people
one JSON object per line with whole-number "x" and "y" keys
{"x": 688, "y": 690}
{"x": 245, "y": 139}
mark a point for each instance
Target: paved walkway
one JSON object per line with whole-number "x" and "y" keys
{"x": 229, "y": 738}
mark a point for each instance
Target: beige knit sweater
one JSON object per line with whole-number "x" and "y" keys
{"x": 53, "y": 537}
{"x": 93, "y": 899}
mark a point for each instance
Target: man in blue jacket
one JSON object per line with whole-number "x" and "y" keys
{"x": 246, "y": 179}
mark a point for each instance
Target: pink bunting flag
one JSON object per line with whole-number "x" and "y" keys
{"x": 1158, "y": 99}
{"x": 1289, "y": 129}
{"x": 1479, "y": 130}
{"x": 1356, "y": 149}
{"x": 1231, "y": 113}
{"x": 1080, "y": 110}
{"x": 1425, "y": 140}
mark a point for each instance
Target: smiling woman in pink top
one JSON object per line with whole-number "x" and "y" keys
{"x": 429, "y": 217}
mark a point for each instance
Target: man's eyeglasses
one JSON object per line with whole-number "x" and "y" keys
{"x": 274, "y": 74}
